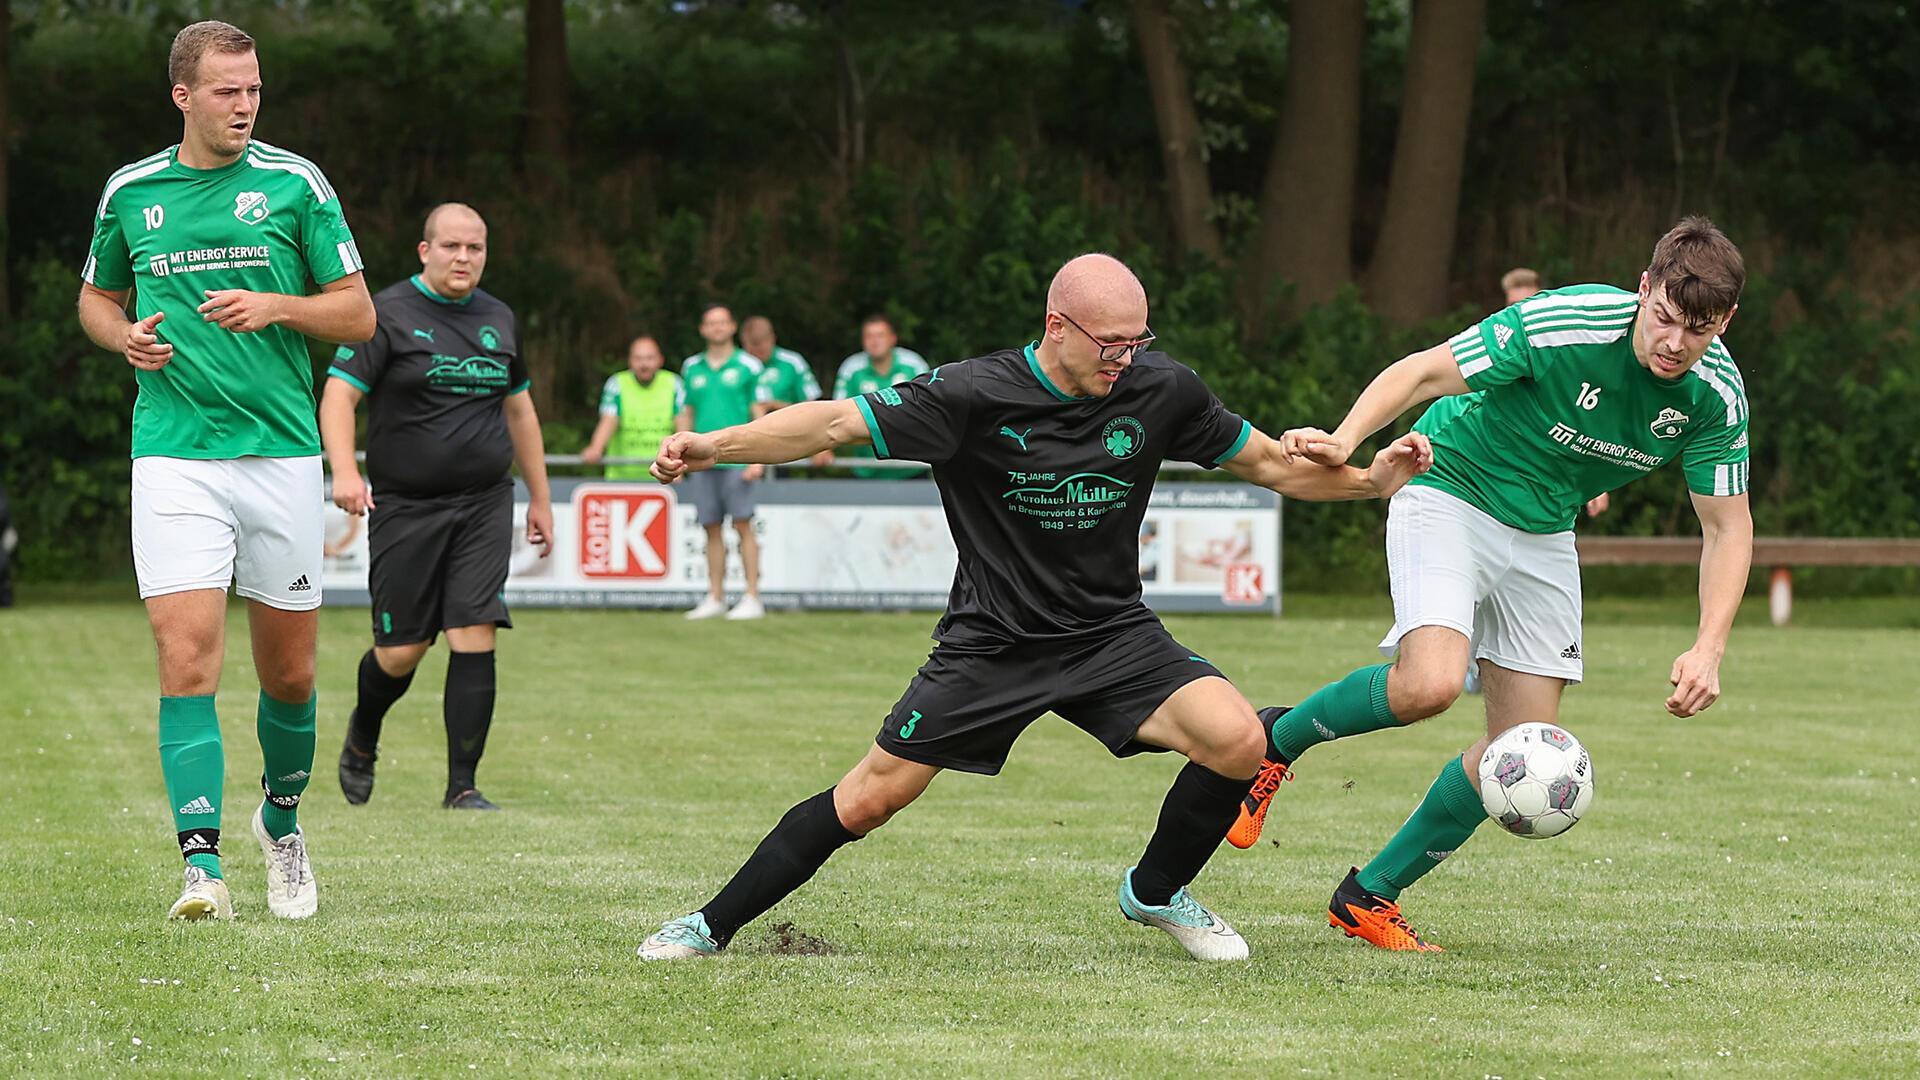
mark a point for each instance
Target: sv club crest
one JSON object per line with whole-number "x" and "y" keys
{"x": 1669, "y": 424}
{"x": 250, "y": 207}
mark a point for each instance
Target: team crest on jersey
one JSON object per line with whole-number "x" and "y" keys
{"x": 1669, "y": 424}
{"x": 250, "y": 207}
{"x": 489, "y": 338}
{"x": 1123, "y": 436}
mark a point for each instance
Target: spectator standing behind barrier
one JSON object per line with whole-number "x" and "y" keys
{"x": 718, "y": 388}
{"x": 1519, "y": 283}
{"x": 788, "y": 378}
{"x": 637, "y": 408}
{"x": 880, "y": 363}
{"x": 446, "y": 380}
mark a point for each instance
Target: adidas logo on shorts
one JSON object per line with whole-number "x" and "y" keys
{"x": 300, "y": 585}
{"x": 198, "y": 806}
{"x": 1571, "y": 652}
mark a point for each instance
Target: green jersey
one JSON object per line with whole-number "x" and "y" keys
{"x": 788, "y": 379}
{"x": 266, "y": 223}
{"x": 720, "y": 395}
{"x": 857, "y": 377}
{"x": 1561, "y": 410}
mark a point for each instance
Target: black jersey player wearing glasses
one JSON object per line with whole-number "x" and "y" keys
{"x": 1045, "y": 457}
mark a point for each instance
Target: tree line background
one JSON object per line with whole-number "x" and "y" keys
{"x": 1309, "y": 189}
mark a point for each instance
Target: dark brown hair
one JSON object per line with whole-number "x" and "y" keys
{"x": 1700, "y": 269}
{"x": 196, "y": 41}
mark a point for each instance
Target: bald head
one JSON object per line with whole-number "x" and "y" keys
{"x": 1100, "y": 293}
{"x": 453, "y": 250}
{"x": 452, "y": 214}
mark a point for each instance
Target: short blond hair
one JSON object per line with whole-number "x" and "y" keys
{"x": 194, "y": 42}
{"x": 1520, "y": 278}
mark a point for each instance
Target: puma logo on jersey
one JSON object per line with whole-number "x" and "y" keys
{"x": 427, "y": 334}
{"x": 1017, "y": 436}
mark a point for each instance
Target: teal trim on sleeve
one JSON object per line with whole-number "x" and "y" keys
{"x": 336, "y": 373}
{"x": 1033, "y": 362}
{"x": 1246, "y": 432}
{"x": 873, "y": 427}
{"x": 523, "y": 387}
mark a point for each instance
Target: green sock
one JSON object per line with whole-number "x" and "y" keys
{"x": 1355, "y": 705}
{"x": 1439, "y": 825}
{"x": 195, "y": 769}
{"x": 286, "y": 748}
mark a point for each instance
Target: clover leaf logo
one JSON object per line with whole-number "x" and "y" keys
{"x": 1123, "y": 437}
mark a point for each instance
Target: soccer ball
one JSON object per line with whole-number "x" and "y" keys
{"x": 1536, "y": 780}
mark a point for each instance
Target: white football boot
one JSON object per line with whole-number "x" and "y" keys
{"x": 205, "y": 897}
{"x": 291, "y": 891}
{"x": 1203, "y": 934}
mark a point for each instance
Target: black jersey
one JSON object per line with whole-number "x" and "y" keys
{"x": 1044, "y": 492}
{"x": 437, "y": 372}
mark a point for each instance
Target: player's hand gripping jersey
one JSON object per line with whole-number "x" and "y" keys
{"x": 1044, "y": 492}
{"x": 265, "y": 223}
{"x": 1562, "y": 411}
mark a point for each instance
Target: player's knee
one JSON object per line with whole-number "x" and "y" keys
{"x": 1244, "y": 749}
{"x": 1426, "y": 693}
{"x": 292, "y": 683}
{"x": 189, "y": 664}
{"x": 865, "y": 807}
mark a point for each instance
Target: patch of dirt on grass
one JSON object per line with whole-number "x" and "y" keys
{"x": 790, "y": 940}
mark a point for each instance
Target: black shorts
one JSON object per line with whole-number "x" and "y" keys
{"x": 965, "y": 709}
{"x": 438, "y": 562}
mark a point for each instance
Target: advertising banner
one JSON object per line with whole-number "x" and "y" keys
{"x": 847, "y": 544}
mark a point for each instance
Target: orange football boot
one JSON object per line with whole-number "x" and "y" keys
{"x": 1373, "y": 918}
{"x": 1253, "y": 809}
{"x": 1273, "y": 772}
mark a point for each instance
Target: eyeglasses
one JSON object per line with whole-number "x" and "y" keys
{"x": 1112, "y": 351}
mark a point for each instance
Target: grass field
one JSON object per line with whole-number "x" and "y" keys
{"x": 1741, "y": 901}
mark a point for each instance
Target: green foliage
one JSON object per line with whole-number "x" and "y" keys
{"x": 710, "y": 161}
{"x": 63, "y": 447}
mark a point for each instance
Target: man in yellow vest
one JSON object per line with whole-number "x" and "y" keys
{"x": 636, "y": 411}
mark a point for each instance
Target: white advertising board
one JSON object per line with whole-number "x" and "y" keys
{"x": 849, "y": 544}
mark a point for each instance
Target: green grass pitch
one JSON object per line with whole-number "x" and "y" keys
{"x": 1740, "y": 902}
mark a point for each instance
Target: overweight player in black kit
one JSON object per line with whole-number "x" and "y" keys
{"x": 449, "y": 414}
{"x": 1045, "y": 457}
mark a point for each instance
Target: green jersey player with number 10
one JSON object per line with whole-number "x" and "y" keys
{"x": 215, "y": 239}
{"x": 1563, "y": 396}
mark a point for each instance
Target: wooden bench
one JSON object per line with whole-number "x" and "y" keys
{"x": 1782, "y": 553}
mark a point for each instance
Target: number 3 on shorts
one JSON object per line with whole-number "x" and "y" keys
{"x": 906, "y": 729}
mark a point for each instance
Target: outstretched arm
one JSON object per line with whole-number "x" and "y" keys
{"x": 1405, "y": 383}
{"x": 785, "y": 435}
{"x": 1263, "y": 462}
{"x": 1726, "y": 555}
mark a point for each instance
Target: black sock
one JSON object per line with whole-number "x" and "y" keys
{"x": 1199, "y": 810}
{"x": 783, "y": 862}
{"x": 469, "y": 714}
{"x": 378, "y": 692}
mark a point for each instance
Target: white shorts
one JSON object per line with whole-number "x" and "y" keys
{"x": 252, "y": 522}
{"x": 1514, "y": 594}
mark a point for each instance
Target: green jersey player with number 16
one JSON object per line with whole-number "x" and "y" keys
{"x": 1561, "y": 397}
{"x": 215, "y": 240}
